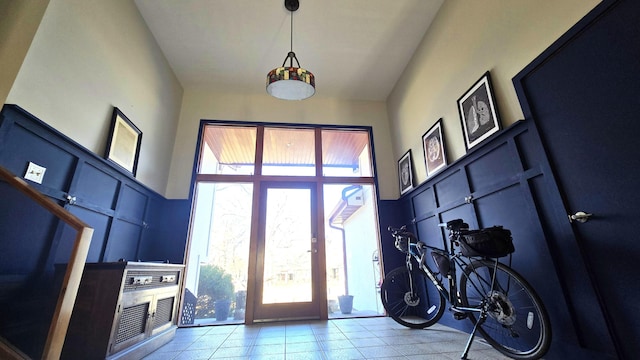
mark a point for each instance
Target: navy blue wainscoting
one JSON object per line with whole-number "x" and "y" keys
{"x": 504, "y": 181}
{"x": 130, "y": 222}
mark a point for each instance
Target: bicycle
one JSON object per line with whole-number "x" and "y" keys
{"x": 500, "y": 303}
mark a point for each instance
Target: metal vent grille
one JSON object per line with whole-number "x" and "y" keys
{"x": 132, "y": 322}
{"x": 164, "y": 309}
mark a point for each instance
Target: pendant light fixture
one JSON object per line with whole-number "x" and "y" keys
{"x": 289, "y": 82}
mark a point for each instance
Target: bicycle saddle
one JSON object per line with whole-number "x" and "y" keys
{"x": 457, "y": 225}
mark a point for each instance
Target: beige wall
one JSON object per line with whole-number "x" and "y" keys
{"x": 18, "y": 24}
{"x": 466, "y": 39}
{"x": 199, "y": 105}
{"x": 89, "y": 56}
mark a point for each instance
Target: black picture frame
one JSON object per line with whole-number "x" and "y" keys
{"x": 434, "y": 149}
{"x": 405, "y": 173}
{"x": 123, "y": 145}
{"x": 478, "y": 112}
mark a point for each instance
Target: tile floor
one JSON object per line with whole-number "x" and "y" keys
{"x": 362, "y": 338}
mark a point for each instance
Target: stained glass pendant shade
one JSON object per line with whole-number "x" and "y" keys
{"x": 291, "y": 82}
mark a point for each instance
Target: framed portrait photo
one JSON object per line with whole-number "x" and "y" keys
{"x": 478, "y": 112}
{"x": 434, "y": 150}
{"x": 123, "y": 145}
{"x": 405, "y": 172}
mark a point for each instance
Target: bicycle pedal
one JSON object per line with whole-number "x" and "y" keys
{"x": 459, "y": 316}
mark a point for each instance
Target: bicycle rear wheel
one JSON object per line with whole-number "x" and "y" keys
{"x": 412, "y": 301}
{"x": 515, "y": 320}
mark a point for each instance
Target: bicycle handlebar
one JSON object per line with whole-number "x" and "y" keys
{"x": 393, "y": 230}
{"x": 453, "y": 225}
{"x": 456, "y": 227}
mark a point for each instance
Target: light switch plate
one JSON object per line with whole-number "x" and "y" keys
{"x": 35, "y": 173}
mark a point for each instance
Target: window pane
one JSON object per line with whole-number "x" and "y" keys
{"x": 287, "y": 254}
{"x": 219, "y": 253}
{"x": 228, "y": 149}
{"x": 289, "y": 152}
{"x": 346, "y": 153}
{"x": 351, "y": 237}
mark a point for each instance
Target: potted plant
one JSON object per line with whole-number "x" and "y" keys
{"x": 215, "y": 287}
{"x": 221, "y": 307}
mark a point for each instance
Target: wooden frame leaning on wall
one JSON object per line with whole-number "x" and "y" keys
{"x": 123, "y": 145}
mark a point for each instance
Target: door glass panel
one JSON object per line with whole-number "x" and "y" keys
{"x": 351, "y": 237}
{"x": 346, "y": 153}
{"x": 229, "y": 150}
{"x": 287, "y": 259}
{"x": 289, "y": 152}
{"x": 218, "y": 262}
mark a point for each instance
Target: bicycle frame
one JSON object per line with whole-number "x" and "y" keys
{"x": 418, "y": 252}
{"x": 487, "y": 279}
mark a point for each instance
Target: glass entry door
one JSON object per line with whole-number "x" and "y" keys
{"x": 287, "y": 266}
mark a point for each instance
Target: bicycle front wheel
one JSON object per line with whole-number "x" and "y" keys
{"x": 514, "y": 320}
{"x": 412, "y": 301}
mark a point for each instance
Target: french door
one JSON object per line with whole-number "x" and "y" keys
{"x": 287, "y": 276}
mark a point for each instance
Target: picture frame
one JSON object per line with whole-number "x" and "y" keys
{"x": 433, "y": 145}
{"x": 123, "y": 145}
{"x": 478, "y": 112}
{"x": 405, "y": 173}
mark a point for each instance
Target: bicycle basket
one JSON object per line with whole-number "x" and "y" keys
{"x": 491, "y": 242}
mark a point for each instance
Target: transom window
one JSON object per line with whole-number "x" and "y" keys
{"x": 284, "y": 151}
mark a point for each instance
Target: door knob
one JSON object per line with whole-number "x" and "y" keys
{"x": 580, "y": 216}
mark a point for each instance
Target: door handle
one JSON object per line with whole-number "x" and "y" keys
{"x": 314, "y": 241}
{"x": 580, "y": 216}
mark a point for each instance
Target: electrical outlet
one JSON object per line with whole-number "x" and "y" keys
{"x": 35, "y": 173}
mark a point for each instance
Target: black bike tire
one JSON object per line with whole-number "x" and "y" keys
{"x": 542, "y": 325}
{"x": 396, "y": 285}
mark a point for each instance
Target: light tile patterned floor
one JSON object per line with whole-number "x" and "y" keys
{"x": 364, "y": 338}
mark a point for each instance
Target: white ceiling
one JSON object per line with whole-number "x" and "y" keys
{"x": 357, "y": 49}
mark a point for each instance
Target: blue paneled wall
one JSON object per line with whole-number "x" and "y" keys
{"x": 506, "y": 181}
{"x": 130, "y": 221}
